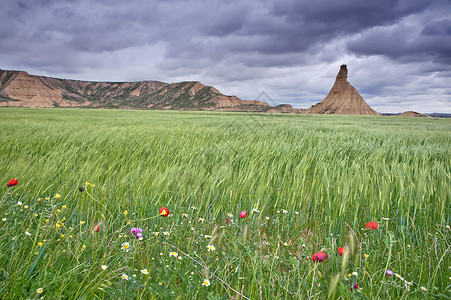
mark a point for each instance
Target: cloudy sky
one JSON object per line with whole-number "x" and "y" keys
{"x": 398, "y": 52}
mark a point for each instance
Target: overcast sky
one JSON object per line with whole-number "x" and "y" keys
{"x": 398, "y": 52}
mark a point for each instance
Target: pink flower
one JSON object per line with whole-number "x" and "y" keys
{"x": 136, "y": 232}
{"x": 228, "y": 220}
{"x": 243, "y": 214}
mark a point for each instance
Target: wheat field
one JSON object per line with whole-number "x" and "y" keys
{"x": 308, "y": 183}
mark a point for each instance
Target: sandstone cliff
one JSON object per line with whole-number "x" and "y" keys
{"x": 18, "y": 88}
{"x": 342, "y": 99}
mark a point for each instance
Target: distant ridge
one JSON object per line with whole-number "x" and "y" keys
{"x": 20, "y": 89}
{"x": 342, "y": 99}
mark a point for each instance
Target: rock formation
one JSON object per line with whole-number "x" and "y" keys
{"x": 411, "y": 114}
{"x": 18, "y": 88}
{"x": 342, "y": 99}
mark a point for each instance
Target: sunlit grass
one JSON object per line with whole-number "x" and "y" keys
{"x": 316, "y": 181}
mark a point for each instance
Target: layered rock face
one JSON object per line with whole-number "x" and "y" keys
{"x": 18, "y": 88}
{"x": 342, "y": 99}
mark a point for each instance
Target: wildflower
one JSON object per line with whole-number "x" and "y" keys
{"x": 36, "y": 215}
{"x": 136, "y": 232}
{"x": 355, "y": 286}
{"x": 83, "y": 247}
{"x": 82, "y": 222}
{"x": 81, "y": 189}
{"x": 166, "y": 233}
{"x": 228, "y": 220}
{"x": 57, "y": 225}
{"x": 211, "y": 248}
{"x": 39, "y": 200}
{"x": 185, "y": 215}
{"x": 285, "y": 244}
{"x": 229, "y": 215}
{"x": 4, "y": 219}
{"x": 125, "y": 246}
{"x": 164, "y": 211}
{"x": 284, "y": 211}
{"x": 27, "y": 233}
{"x": 206, "y": 282}
{"x": 255, "y": 210}
{"x": 243, "y": 214}
{"x": 366, "y": 255}
{"x": 193, "y": 207}
{"x": 57, "y": 196}
{"x": 47, "y": 198}
{"x": 155, "y": 233}
{"x": 296, "y": 212}
{"x": 12, "y": 182}
{"x": 386, "y": 219}
{"x": 340, "y": 251}
{"x": 320, "y": 256}
{"x": 424, "y": 289}
{"x": 355, "y": 273}
{"x": 97, "y": 228}
{"x": 267, "y": 218}
{"x": 124, "y": 276}
{"x": 64, "y": 206}
{"x": 207, "y": 236}
{"x": 19, "y": 203}
{"x": 174, "y": 254}
{"x": 144, "y": 271}
{"x": 103, "y": 267}
{"x": 39, "y": 291}
{"x": 201, "y": 220}
{"x": 125, "y": 213}
{"x": 25, "y": 206}
{"x": 372, "y": 225}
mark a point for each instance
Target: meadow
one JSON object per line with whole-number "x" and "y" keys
{"x": 84, "y": 220}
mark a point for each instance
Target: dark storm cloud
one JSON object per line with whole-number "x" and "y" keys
{"x": 240, "y": 45}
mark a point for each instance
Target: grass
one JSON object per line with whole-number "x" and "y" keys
{"x": 315, "y": 180}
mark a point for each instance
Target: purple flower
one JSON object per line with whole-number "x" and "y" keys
{"x": 388, "y": 273}
{"x": 136, "y": 232}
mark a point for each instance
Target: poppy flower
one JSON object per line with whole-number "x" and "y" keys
{"x": 98, "y": 228}
{"x": 355, "y": 286}
{"x": 243, "y": 214}
{"x": 12, "y": 182}
{"x": 372, "y": 225}
{"x": 320, "y": 256}
{"x": 228, "y": 220}
{"x": 340, "y": 251}
{"x": 164, "y": 211}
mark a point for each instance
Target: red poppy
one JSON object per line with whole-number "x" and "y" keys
{"x": 355, "y": 286}
{"x": 243, "y": 214}
{"x": 164, "y": 211}
{"x": 12, "y": 182}
{"x": 340, "y": 251}
{"x": 228, "y": 220}
{"x": 372, "y": 225}
{"x": 320, "y": 256}
{"x": 98, "y": 228}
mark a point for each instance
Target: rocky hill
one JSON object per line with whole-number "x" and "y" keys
{"x": 18, "y": 88}
{"x": 342, "y": 99}
{"x": 410, "y": 113}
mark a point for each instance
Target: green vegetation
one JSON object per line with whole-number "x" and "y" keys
{"x": 315, "y": 181}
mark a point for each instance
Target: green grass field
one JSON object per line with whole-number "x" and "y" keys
{"x": 308, "y": 183}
